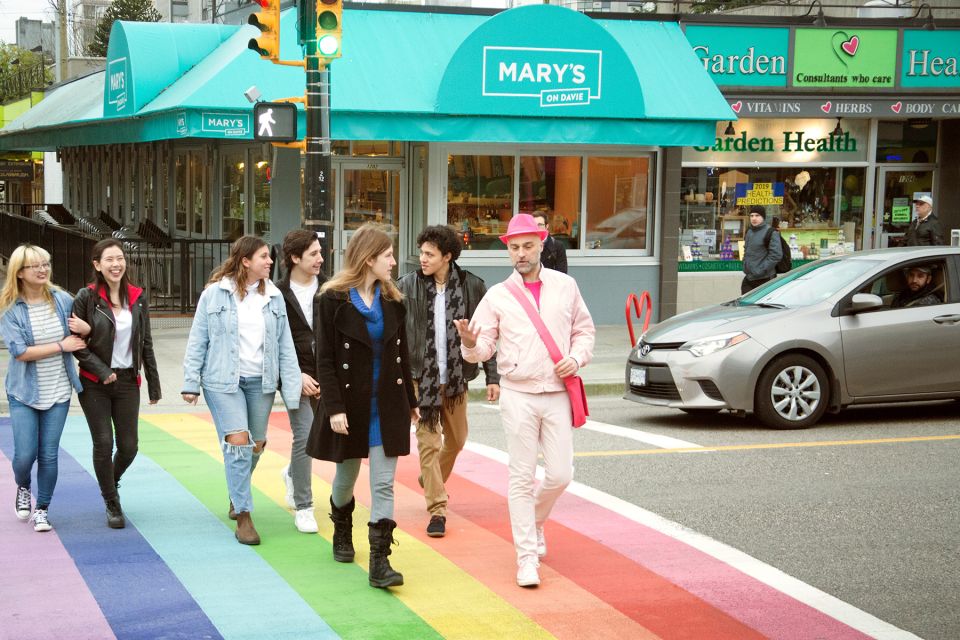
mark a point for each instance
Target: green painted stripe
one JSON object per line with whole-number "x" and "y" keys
{"x": 338, "y": 592}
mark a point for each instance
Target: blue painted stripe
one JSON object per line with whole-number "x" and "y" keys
{"x": 240, "y": 592}
{"x": 138, "y": 594}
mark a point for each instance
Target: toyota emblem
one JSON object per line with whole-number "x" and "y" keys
{"x": 643, "y": 350}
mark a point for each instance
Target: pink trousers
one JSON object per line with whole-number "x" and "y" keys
{"x": 535, "y": 423}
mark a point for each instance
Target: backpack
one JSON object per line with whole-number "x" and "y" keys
{"x": 786, "y": 261}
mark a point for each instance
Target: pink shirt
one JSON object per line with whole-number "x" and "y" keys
{"x": 522, "y": 359}
{"x": 535, "y": 288}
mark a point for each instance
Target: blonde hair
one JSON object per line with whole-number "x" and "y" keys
{"x": 232, "y": 267}
{"x": 22, "y": 256}
{"x": 368, "y": 242}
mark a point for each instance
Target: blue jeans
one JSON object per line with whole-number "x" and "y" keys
{"x": 301, "y": 464}
{"x": 36, "y": 437}
{"x": 243, "y": 411}
{"x": 382, "y": 471}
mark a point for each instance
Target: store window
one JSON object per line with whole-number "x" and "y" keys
{"x": 480, "y": 198}
{"x": 617, "y": 203}
{"x": 233, "y": 195}
{"x": 912, "y": 141}
{"x": 262, "y": 174}
{"x": 551, "y": 185}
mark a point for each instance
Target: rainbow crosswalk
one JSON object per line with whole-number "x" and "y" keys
{"x": 177, "y": 572}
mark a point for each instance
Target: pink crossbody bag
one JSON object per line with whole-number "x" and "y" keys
{"x": 574, "y": 384}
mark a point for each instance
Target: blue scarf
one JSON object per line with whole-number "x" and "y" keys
{"x": 373, "y": 316}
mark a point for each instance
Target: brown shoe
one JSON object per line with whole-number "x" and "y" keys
{"x": 246, "y": 532}
{"x": 232, "y": 514}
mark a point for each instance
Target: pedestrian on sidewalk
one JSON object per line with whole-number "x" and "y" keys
{"x": 534, "y": 404}
{"x": 761, "y": 251}
{"x": 434, "y": 296}
{"x": 300, "y": 287}
{"x": 37, "y": 328}
{"x": 554, "y": 255}
{"x": 118, "y": 347}
{"x": 366, "y": 393}
{"x": 239, "y": 352}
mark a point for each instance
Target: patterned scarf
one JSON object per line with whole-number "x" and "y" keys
{"x": 429, "y": 385}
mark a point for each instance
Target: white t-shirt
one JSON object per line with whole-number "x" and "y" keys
{"x": 251, "y": 328}
{"x": 53, "y": 386}
{"x": 440, "y": 332}
{"x": 305, "y": 296}
{"x": 122, "y": 357}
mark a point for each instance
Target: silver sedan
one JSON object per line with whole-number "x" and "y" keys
{"x": 870, "y": 327}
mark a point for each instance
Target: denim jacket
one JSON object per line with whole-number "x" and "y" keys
{"x": 17, "y": 333}
{"x": 213, "y": 348}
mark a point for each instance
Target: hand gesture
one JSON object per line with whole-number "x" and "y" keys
{"x": 338, "y": 422}
{"x": 566, "y": 367}
{"x": 78, "y": 326}
{"x": 189, "y": 398}
{"x": 311, "y": 388}
{"x": 72, "y": 343}
{"x": 468, "y": 333}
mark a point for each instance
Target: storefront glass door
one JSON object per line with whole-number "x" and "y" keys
{"x": 896, "y": 189}
{"x": 368, "y": 192}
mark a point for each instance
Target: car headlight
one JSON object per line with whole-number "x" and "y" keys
{"x": 706, "y": 346}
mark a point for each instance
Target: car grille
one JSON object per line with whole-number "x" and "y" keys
{"x": 710, "y": 389}
{"x": 661, "y": 346}
{"x": 659, "y": 390}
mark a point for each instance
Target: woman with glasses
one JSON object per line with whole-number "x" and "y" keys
{"x": 119, "y": 345}
{"x": 36, "y": 326}
{"x": 366, "y": 392}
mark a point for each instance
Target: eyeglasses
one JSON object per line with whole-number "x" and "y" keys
{"x": 45, "y": 266}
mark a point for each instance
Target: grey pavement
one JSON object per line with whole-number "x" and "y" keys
{"x": 604, "y": 375}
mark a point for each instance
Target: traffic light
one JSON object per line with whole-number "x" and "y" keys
{"x": 267, "y": 44}
{"x": 329, "y": 28}
{"x": 275, "y": 122}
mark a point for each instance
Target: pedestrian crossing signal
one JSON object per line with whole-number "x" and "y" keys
{"x": 329, "y": 28}
{"x": 275, "y": 122}
{"x": 267, "y": 44}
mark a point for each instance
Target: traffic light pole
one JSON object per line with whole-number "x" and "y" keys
{"x": 318, "y": 173}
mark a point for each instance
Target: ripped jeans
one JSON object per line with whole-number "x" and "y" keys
{"x": 245, "y": 410}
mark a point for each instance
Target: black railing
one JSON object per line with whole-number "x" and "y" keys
{"x": 173, "y": 271}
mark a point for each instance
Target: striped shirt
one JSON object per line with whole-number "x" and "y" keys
{"x": 52, "y": 381}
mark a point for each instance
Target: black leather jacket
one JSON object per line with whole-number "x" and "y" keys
{"x": 414, "y": 288}
{"x": 92, "y": 307}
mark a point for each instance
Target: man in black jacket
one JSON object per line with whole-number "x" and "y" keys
{"x": 436, "y": 295}
{"x": 553, "y": 256}
{"x": 925, "y": 229}
{"x": 302, "y": 258}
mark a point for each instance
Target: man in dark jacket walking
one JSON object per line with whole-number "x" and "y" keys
{"x": 925, "y": 229}
{"x": 436, "y": 295}
{"x": 761, "y": 251}
{"x": 554, "y": 255}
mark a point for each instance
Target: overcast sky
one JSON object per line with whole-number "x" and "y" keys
{"x": 10, "y": 10}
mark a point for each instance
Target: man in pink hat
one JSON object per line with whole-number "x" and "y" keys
{"x": 533, "y": 400}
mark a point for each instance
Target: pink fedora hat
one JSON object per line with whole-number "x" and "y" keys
{"x": 522, "y": 224}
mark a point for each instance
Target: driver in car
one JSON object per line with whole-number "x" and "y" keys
{"x": 920, "y": 288}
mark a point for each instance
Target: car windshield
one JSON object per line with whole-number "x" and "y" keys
{"x": 809, "y": 284}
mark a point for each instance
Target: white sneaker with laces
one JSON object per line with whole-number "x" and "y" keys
{"x": 288, "y": 483}
{"x": 305, "y": 520}
{"x": 541, "y": 543}
{"x": 24, "y": 502}
{"x": 527, "y": 575}
{"x": 40, "y": 522}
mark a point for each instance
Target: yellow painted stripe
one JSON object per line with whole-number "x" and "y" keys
{"x": 774, "y": 445}
{"x": 434, "y": 588}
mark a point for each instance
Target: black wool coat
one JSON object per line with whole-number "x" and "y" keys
{"x": 345, "y": 374}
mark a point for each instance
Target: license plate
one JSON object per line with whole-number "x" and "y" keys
{"x": 638, "y": 376}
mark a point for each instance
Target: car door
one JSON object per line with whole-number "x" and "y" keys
{"x": 904, "y": 351}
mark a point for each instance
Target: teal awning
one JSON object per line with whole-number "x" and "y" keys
{"x": 534, "y": 74}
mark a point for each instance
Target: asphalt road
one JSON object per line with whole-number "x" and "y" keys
{"x": 865, "y": 506}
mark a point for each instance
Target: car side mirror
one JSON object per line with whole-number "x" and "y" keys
{"x": 865, "y": 302}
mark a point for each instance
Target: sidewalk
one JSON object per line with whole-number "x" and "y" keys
{"x": 604, "y": 375}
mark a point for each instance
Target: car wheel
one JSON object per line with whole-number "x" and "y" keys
{"x": 792, "y": 393}
{"x": 700, "y": 412}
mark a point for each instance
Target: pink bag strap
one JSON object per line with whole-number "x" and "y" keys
{"x": 536, "y": 320}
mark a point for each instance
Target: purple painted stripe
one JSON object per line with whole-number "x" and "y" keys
{"x": 42, "y": 592}
{"x": 735, "y": 593}
{"x": 138, "y": 594}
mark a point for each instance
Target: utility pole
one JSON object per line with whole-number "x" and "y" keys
{"x": 62, "y": 44}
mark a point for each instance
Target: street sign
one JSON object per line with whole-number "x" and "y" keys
{"x": 275, "y": 121}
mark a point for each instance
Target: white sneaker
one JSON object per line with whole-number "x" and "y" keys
{"x": 288, "y": 483}
{"x": 24, "y": 502}
{"x": 541, "y": 543}
{"x": 40, "y": 522}
{"x": 527, "y": 575}
{"x": 305, "y": 520}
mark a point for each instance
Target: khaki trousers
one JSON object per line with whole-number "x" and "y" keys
{"x": 438, "y": 451}
{"x": 535, "y": 423}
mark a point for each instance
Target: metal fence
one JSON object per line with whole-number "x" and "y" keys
{"x": 173, "y": 271}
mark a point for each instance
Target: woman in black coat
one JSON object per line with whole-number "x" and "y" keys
{"x": 367, "y": 396}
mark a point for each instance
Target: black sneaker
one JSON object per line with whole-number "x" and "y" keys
{"x": 437, "y": 527}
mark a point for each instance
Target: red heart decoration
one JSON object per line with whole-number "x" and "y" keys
{"x": 826, "y": 106}
{"x": 736, "y": 106}
{"x": 635, "y": 303}
{"x": 850, "y": 46}
{"x": 896, "y": 106}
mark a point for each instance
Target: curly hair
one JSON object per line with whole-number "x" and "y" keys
{"x": 444, "y": 238}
